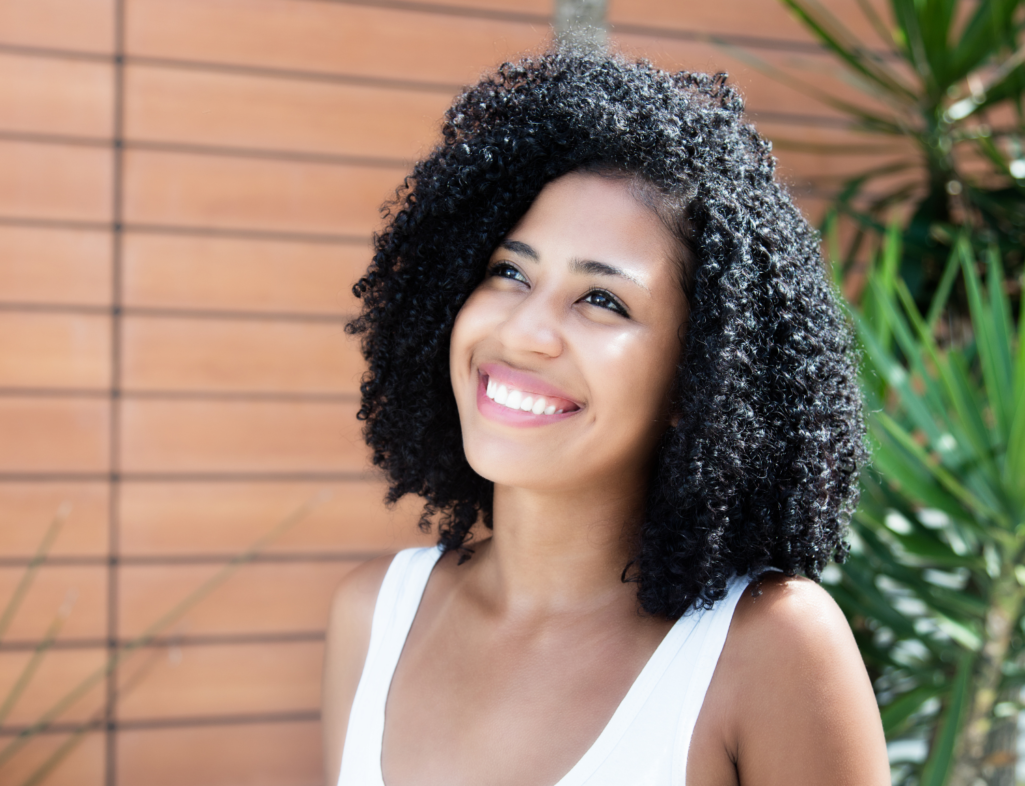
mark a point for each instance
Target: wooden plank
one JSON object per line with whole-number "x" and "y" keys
{"x": 227, "y": 355}
{"x": 216, "y": 680}
{"x": 55, "y": 181}
{"x": 209, "y": 108}
{"x": 260, "y": 597}
{"x": 540, "y": 7}
{"x": 54, "y": 435}
{"x": 39, "y": 350}
{"x": 26, "y": 510}
{"x": 228, "y": 518}
{"x": 51, "y": 96}
{"x": 266, "y": 195}
{"x": 85, "y": 25}
{"x": 256, "y": 754}
{"x": 755, "y": 18}
{"x": 60, "y": 672}
{"x": 82, "y": 586}
{"x": 172, "y": 271}
{"x": 241, "y": 436}
{"x": 328, "y": 37}
{"x": 54, "y": 265}
{"x": 82, "y": 767}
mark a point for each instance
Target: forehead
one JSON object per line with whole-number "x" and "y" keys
{"x": 589, "y": 216}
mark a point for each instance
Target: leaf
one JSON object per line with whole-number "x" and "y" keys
{"x": 946, "y": 480}
{"x": 981, "y": 38}
{"x": 854, "y": 54}
{"x": 959, "y": 632}
{"x": 957, "y": 386}
{"x": 906, "y": 14}
{"x": 1014, "y": 462}
{"x": 995, "y": 358}
{"x": 939, "y": 765}
{"x": 942, "y": 294}
{"x": 877, "y": 23}
{"x": 896, "y": 713}
{"x": 912, "y": 475}
{"x": 868, "y": 119}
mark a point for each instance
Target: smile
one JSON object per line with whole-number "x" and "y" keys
{"x": 517, "y": 399}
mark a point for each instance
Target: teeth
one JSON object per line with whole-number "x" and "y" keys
{"x": 516, "y": 399}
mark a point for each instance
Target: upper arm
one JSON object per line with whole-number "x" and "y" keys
{"x": 804, "y": 709}
{"x": 347, "y": 641}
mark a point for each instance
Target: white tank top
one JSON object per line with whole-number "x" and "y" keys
{"x": 646, "y": 741}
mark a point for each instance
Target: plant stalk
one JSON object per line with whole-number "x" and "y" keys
{"x": 1004, "y": 610}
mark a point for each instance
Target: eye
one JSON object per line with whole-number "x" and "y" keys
{"x": 505, "y": 270}
{"x": 603, "y": 299}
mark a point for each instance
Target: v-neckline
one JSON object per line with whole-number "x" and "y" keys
{"x": 617, "y": 723}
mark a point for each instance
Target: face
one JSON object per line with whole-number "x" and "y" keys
{"x": 563, "y": 358}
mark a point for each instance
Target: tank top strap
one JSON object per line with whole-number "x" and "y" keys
{"x": 705, "y": 649}
{"x": 397, "y": 603}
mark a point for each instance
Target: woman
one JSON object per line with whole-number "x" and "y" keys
{"x": 602, "y": 348}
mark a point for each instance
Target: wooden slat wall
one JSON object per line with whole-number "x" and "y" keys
{"x": 187, "y": 191}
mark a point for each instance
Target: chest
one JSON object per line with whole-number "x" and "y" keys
{"x": 471, "y": 703}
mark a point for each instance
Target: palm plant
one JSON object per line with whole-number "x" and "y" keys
{"x": 935, "y": 586}
{"x": 945, "y": 81}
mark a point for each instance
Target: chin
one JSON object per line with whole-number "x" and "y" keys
{"x": 514, "y": 468}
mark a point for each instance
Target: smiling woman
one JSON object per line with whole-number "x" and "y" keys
{"x": 581, "y": 304}
{"x": 602, "y": 348}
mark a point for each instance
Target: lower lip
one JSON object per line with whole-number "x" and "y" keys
{"x": 514, "y": 417}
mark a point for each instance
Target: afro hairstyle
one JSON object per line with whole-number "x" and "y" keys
{"x": 761, "y": 469}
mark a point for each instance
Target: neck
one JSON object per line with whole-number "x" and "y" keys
{"x": 559, "y": 552}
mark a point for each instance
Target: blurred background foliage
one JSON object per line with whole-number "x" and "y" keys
{"x": 942, "y": 89}
{"x": 935, "y": 584}
{"x": 934, "y": 587}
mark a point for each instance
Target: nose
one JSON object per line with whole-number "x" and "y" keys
{"x": 533, "y": 325}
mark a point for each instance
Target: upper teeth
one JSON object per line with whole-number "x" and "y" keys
{"x": 517, "y": 399}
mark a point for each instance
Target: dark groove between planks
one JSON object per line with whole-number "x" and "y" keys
{"x": 201, "y": 640}
{"x": 86, "y": 560}
{"x": 153, "y": 724}
{"x": 188, "y": 477}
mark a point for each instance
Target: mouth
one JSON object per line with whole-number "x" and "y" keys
{"x": 516, "y": 397}
{"x": 525, "y": 401}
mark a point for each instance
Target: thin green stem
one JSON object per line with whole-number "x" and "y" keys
{"x": 14, "y": 603}
{"x": 34, "y": 662}
{"x": 161, "y": 624}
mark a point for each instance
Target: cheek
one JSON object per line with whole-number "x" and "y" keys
{"x": 470, "y": 324}
{"x": 642, "y": 372}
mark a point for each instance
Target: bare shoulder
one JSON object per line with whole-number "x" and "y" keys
{"x": 791, "y": 612}
{"x": 356, "y": 594}
{"x": 802, "y": 708}
{"x": 348, "y": 639}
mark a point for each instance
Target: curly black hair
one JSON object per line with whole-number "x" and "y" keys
{"x": 761, "y": 469}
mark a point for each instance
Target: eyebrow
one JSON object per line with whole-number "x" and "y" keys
{"x": 580, "y": 265}
{"x": 520, "y": 248}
